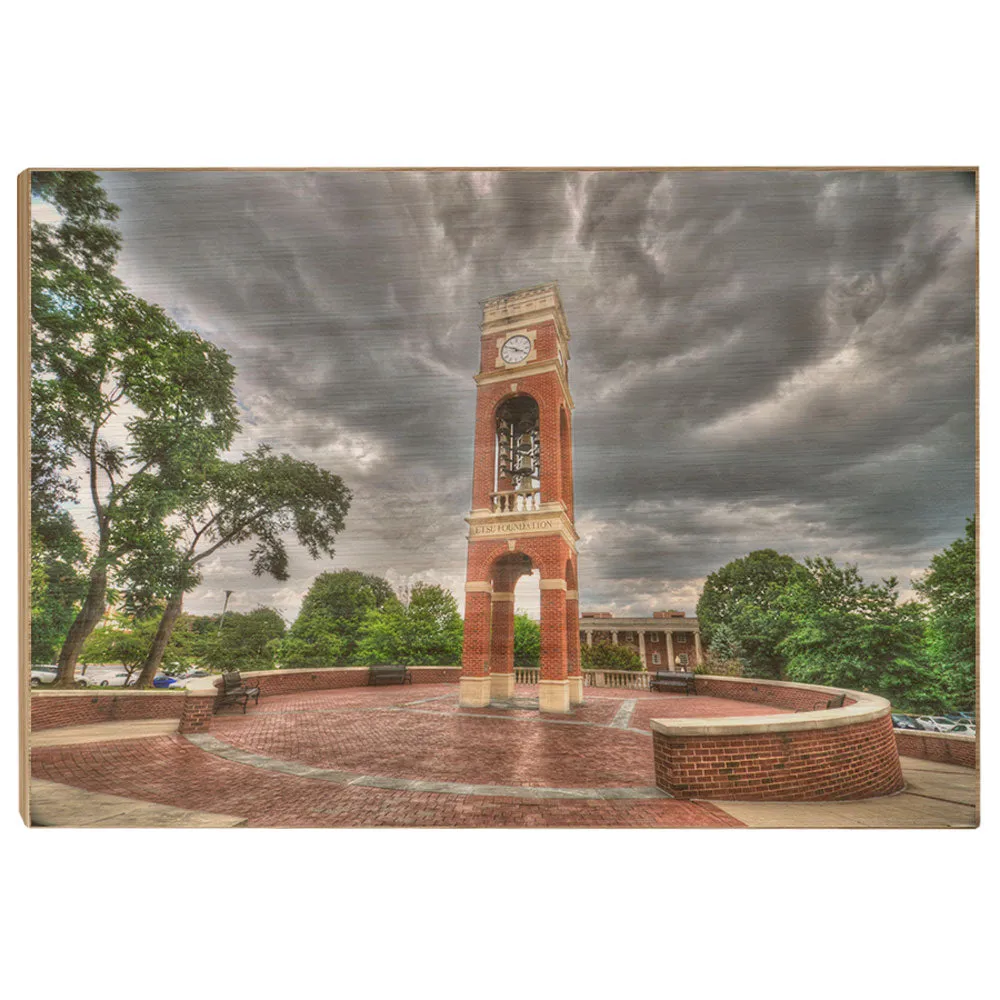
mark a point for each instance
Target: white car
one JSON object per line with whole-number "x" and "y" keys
{"x": 963, "y": 729}
{"x": 46, "y": 673}
{"x": 119, "y": 679}
{"x": 936, "y": 723}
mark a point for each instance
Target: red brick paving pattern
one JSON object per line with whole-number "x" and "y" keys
{"x": 364, "y": 731}
{"x": 169, "y": 770}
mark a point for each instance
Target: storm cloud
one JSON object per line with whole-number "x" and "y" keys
{"x": 779, "y": 359}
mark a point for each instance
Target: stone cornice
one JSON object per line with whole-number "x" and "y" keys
{"x": 640, "y": 624}
{"x": 526, "y": 371}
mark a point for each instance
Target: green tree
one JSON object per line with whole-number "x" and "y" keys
{"x": 949, "y": 588}
{"x": 140, "y": 405}
{"x": 607, "y": 656}
{"x": 260, "y": 499}
{"x": 126, "y": 641}
{"x": 312, "y": 642}
{"x": 57, "y": 583}
{"x": 851, "y": 634}
{"x": 740, "y": 608}
{"x": 243, "y": 641}
{"x": 424, "y": 630}
{"x": 334, "y": 608}
{"x": 527, "y": 641}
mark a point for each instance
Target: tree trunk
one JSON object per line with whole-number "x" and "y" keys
{"x": 163, "y": 632}
{"x": 86, "y": 621}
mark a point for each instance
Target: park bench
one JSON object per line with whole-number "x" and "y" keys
{"x": 234, "y": 691}
{"x": 667, "y": 680}
{"x": 390, "y": 674}
{"x": 835, "y": 702}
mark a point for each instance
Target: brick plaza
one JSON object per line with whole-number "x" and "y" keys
{"x": 406, "y": 757}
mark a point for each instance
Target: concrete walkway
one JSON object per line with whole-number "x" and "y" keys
{"x": 936, "y": 796}
{"x": 54, "y": 804}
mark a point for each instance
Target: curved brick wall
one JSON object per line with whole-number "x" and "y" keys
{"x": 781, "y": 694}
{"x": 841, "y": 753}
{"x": 52, "y": 709}
{"x": 273, "y": 682}
{"x": 941, "y": 747}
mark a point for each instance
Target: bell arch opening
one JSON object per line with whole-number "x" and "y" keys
{"x": 517, "y": 456}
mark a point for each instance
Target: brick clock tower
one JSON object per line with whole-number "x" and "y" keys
{"x": 522, "y": 501}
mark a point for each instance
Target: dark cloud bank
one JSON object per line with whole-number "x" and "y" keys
{"x": 760, "y": 359}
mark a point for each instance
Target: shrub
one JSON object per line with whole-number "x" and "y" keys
{"x": 605, "y": 656}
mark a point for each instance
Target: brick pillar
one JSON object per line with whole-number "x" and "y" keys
{"x": 474, "y": 682}
{"x": 573, "y": 663}
{"x": 196, "y": 713}
{"x": 502, "y": 647}
{"x": 551, "y": 477}
{"x": 553, "y": 687}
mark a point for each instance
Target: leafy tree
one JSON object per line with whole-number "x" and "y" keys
{"x": 851, "y": 634}
{"x": 312, "y": 642}
{"x": 949, "y": 587}
{"x": 331, "y": 616}
{"x": 57, "y": 583}
{"x": 606, "y": 656}
{"x": 243, "y": 641}
{"x": 527, "y": 641}
{"x": 117, "y": 387}
{"x": 425, "y": 630}
{"x": 739, "y": 609}
{"x": 258, "y": 499}
{"x": 126, "y": 640}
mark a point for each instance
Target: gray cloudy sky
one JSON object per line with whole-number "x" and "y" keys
{"x": 760, "y": 359}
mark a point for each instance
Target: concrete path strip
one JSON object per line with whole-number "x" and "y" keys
{"x": 227, "y": 752}
{"x": 623, "y": 717}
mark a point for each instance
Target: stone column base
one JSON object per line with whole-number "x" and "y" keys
{"x": 576, "y": 689}
{"x": 473, "y": 692}
{"x": 553, "y": 696}
{"x": 501, "y": 686}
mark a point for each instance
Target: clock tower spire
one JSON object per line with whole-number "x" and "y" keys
{"x": 522, "y": 500}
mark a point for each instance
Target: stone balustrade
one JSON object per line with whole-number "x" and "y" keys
{"x": 515, "y": 501}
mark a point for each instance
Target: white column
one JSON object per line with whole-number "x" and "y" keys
{"x": 697, "y": 647}
{"x": 590, "y": 637}
{"x": 642, "y": 649}
{"x": 614, "y": 637}
{"x": 670, "y": 650}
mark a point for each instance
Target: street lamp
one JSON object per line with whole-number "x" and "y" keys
{"x": 225, "y": 605}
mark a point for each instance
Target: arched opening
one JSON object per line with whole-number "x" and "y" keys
{"x": 518, "y": 455}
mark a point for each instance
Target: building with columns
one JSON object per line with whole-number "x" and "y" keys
{"x": 667, "y": 641}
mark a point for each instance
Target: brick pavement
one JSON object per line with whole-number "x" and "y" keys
{"x": 401, "y": 734}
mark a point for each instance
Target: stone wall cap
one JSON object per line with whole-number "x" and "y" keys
{"x": 922, "y": 733}
{"x": 867, "y": 708}
{"x": 327, "y": 670}
{"x": 109, "y": 692}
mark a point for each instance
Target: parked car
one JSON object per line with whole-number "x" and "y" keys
{"x": 119, "y": 679}
{"x": 195, "y": 673}
{"x": 963, "y": 729}
{"x": 46, "y": 673}
{"x": 164, "y": 681}
{"x": 904, "y": 722}
{"x": 935, "y": 723}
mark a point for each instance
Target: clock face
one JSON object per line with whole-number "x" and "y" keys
{"x": 516, "y": 349}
